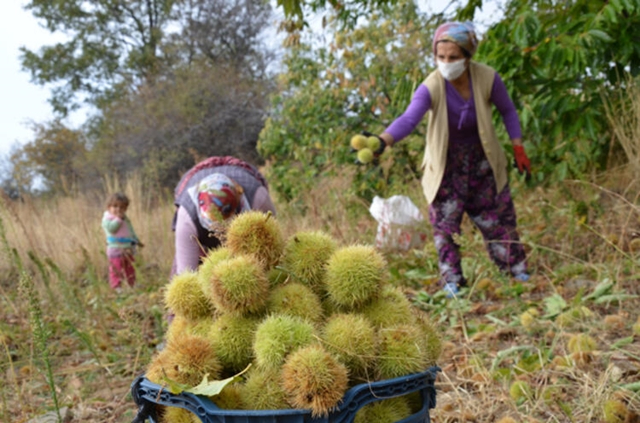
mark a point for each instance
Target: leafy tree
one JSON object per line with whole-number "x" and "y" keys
{"x": 164, "y": 128}
{"x": 362, "y": 80}
{"x": 8, "y": 184}
{"x": 174, "y": 81}
{"x": 223, "y": 31}
{"x": 54, "y": 160}
{"x": 347, "y": 12}
{"x": 111, "y": 43}
{"x": 558, "y": 59}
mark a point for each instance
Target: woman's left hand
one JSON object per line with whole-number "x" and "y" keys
{"x": 522, "y": 161}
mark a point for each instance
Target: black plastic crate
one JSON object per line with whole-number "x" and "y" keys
{"x": 147, "y": 395}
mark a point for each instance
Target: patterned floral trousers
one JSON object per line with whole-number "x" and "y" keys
{"x": 468, "y": 186}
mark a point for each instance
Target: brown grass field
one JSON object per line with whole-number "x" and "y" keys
{"x": 74, "y": 335}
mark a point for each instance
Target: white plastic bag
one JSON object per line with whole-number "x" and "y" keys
{"x": 400, "y": 223}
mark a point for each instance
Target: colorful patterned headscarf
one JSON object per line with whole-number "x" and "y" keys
{"x": 461, "y": 33}
{"x": 217, "y": 198}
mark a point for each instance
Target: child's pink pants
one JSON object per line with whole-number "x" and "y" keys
{"x": 121, "y": 268}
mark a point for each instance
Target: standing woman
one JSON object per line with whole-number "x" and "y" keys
{"x": 465, "y": 167}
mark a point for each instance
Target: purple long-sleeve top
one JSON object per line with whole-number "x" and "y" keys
{"x": 463, "y": 122}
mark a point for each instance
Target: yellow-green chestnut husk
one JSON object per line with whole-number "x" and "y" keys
{"x": 354, "y": 275}
{"x": 277, "y": 336}
{"x": 258, "y": 234}
{"x": 314, "y": 379}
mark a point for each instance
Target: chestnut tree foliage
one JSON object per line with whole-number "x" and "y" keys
{"x": 561, "y": 61}
{"x": 168, "y": 81}
{"x": 109, "y": 45}
{"x": 361, "y": 80}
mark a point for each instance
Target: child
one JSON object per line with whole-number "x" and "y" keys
{"x": 121, "y": 241}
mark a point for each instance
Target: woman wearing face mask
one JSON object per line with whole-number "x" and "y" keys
{"x": 465, "y": 168}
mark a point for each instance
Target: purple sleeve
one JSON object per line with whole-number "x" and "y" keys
{"x": 407, "y": 122}
{"x": 187, "y": 249}
{"x": 500, "y": 97}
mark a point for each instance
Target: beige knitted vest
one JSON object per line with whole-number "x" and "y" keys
{"x": 435, "y": 154}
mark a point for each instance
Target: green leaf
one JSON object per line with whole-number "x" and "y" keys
{"x": 610, "y": 13}
{"x": 502, "y": 354}
{"x": 615, "y": 298}
{"x": 622, "y": 342}
{"x": 554, "y": 305}
{"x": 633, "y": 386}
{"x": 173, "y": 386}
{"x": 496, "y": 320}
{"x": 617, "y": 4}
{"x": 601, "y": 289}
{"x": 205, "y": 387}
{"x": 600, "y": 35}
{"x": 628, "y": 5}
{"x": 418, "y": 274}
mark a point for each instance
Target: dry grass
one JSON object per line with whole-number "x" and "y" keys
{"x": 578, "y": 235}
{"x": 623, "y": 115}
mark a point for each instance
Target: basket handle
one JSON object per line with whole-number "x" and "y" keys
{"x": 361, "y": 395}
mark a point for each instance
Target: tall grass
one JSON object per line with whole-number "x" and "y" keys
{"x": 67, "y": 230}
{"x": 41, "y": 334}
{"x": 623, "y": 114}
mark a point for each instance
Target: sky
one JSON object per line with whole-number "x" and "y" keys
{"x": 22, "y": 101}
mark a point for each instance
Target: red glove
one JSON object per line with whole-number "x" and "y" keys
{"x": 522, "y": 161}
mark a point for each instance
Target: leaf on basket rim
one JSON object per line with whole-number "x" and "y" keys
{"x": 205, "y": 388}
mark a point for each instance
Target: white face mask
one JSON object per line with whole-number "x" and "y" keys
{"x": 453, "y": 70}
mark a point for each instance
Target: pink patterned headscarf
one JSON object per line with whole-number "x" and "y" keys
{"x": 461, "y": 33}
{"x": 217, "y": 197}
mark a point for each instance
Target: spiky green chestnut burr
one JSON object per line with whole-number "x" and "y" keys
{"x": 635, "y": 329}
{"x": 401, "y": 351}
{"x": 389, "y": 309}
{"x": 615, "y": 411}
{"x": 432, "y": 337}
{"x": 295, "y": 299}
{"x": 181, "y": 325}
{"x": 201, "y": 328}
{"x": 258, "y": 234}
{"x": 231, "y": 336}
{"x": 178, "y": 415}
{"x": 314, "y": 379}
{"x": 178, "y": 326}
{"x": 352, "y": 339}
{"x": 358, "y": 142}
{"x": 415, "y": 401}
{"x": 520, "y": 390}
{"x": 305, "y": 256}
{"x": 184, "y": 296}
{"x": 205, "y": 271}
{"x": 230, "y": 398}
{"x": 262, "y": 389}
{"x": 387, "y": 410}
{"x": 238, "y": 285}
{"x": 574, "y": 316}
{"x": 277, "y": 276}
{"x": 354, "y": 275}
{"x": 365, "y": 155}
{"x": 277, "y": 336}
{"x": 581, "y": 343}
{"x": 186, "y": 359}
